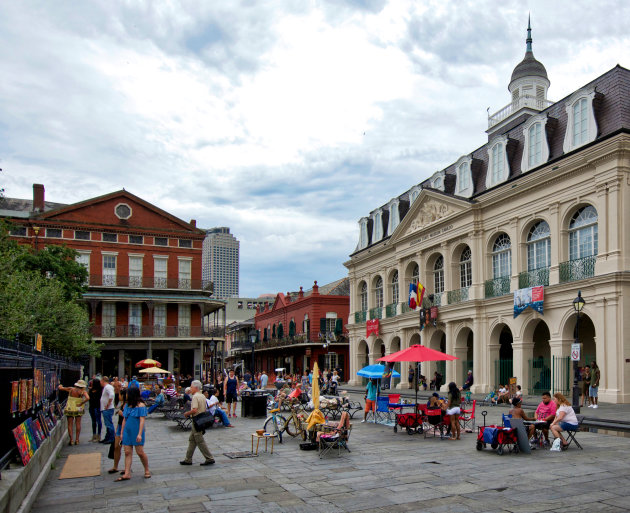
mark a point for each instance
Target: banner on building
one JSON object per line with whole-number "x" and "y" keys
{"x": 371, "y": 327}
{"x": 529, "y": 297}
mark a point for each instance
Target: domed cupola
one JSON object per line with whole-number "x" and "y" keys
{"x": 529, "y": 77}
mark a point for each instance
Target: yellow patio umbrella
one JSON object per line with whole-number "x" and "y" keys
{"x": 316, "y": 416}
{"x": 316, "y": 385}
{"x": 154, "y": 370}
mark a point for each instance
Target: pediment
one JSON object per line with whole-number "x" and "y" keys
{"x": 429, "y": 209}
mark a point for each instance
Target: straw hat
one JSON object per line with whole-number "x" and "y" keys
{"x": 81, "y": 384}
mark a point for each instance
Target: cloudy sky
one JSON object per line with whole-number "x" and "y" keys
{"x": 286, "y": 121}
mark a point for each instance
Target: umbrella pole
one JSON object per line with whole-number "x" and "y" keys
{"x": 416, "y": 385}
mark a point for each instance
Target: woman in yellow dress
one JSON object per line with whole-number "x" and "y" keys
{"x": 77, "y": 397}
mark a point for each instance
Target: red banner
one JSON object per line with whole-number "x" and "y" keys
{"x": 371, "y": 326}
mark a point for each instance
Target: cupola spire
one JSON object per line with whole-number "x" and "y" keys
{"x": 529, "y": 34}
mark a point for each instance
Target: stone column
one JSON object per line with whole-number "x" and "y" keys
{"x": 556, "y": 241}
{"x": 121, "y": 363}
{"x": 171, "y": 360}
{"x": 522, "y": 353}
{"x": 453, "y": 366}
{"x": 480, "y": 372}
{"x": 92, "y": 366}
{"x": 478, "y": 264}
{"x": 492, "y": 356}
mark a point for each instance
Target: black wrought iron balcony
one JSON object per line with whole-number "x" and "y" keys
{"x": 149, "y": 282}
{"x": 457, "y": 296}
{"x": 157, "y": 331}
{"x": 376, "y": 313}
{"x": 360, "y": 317}
{"x": 497, "y": 287}
{"x": 390, "y": 310}
{"x": 533, "y": 278}
{"x": 578, "y": 269}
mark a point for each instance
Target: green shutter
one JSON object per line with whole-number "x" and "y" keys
{"x": 265, "y": 335}
{"x": 322, "y": 325}
{"x": 273, "y": 331}
{"x": 338, "y": 326}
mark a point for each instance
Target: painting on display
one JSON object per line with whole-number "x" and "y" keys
{"x": 52, "y": 415}
{"x": 23, "y": 389}
{"x": 58, "y": 409}
{"x": 15, "y": 396}
{"x": 41, "y": 416}
{"x": 29, "y": 394}
{"x": 37, "y": 432}
{"x": 25, "y": 443}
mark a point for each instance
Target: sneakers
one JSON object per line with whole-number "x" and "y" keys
{"x": 595, "y": 406}
{"x": 590, "y": 405}
{"x": 362, "y": 421}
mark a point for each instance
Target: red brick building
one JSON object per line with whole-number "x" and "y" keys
{"x": 145, "y": 294}
{"x": 301, "y": 328}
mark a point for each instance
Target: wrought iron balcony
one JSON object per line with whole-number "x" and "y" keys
{"x": 360, "y": 317}
{"x": 406, "y": 308}
{"x": 528, "y": 101}
{"x": 457, "y": 296}
{"x": 437, "y": 298}
{"x": 148, "y": 282}
{"x": 157, "y": 331}
{"x": 390, "y": 310}
{"x": 533, "y": 278}
{"x": 376, "y": 313}
{"x": 578, "y": 269}
{"x": 497, "y": 287}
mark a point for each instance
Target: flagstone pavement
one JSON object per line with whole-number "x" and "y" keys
{"x": 385, "y": 472}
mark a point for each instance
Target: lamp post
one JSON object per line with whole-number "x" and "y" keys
{"x": 213, "y": 346}
{"x": 252, "y": 339}
{"x": 36, "y": 231}
{"x": 578, "y": 304}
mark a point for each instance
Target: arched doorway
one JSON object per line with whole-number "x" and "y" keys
{"x": 394, "y": 346}
{"x": 541, "y": 364}
{"x": 503, "y": 365}
{"x": 437, "y": 342}
{"x": 465, "y": 341}
{"x": 587, "y": 339}
{"x": 363, "y": 358}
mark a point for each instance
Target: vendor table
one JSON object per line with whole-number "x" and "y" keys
{"x": 266, "y": 436}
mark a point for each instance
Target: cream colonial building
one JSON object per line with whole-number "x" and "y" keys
{"x": 545, "y": 202}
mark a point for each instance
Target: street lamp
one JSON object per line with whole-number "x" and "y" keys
{"x": 252, "y": 339}
{"x": 213, "y": 346}
{"x": 36, "y": 231}
{"x": 578, "y": 304}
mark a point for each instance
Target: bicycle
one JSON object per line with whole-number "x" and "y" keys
{"x": 275, "y": 424}
{"x": 293, "y": 425}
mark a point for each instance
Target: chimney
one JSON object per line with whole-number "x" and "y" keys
{"x": 38, "y": 197}
{"x": 193, "y": 223}
{"x": 315, "y": 289}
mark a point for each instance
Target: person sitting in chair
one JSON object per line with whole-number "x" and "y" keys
{"x": 504, "y": 394}
{"x": 212, "y": 403}
{"x": 469, "y": 381}
{"x": 517, "y": 411}
{"x": 435, "y": 402}
{"x": 546, "y": 412}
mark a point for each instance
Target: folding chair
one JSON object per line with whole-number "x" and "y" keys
{"x": 394, "y": 399}
{"x": 337, "y": 439}
{"x": 506, "y": 420}
{"x": 435, "y": 420}
{"x": 382, "y": 414}
{"x": 572, "y": 432}
{"x": 467, "y": 417}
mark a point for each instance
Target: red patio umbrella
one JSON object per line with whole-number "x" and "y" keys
{"x": 417, "y": 353}
{"x": 148, "y": 363}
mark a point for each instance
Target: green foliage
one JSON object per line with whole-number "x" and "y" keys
{"x": 41, "y": 295}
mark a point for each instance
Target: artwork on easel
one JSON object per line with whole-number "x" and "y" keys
{"x": 23, "y": 389}
{"x": 24, "y": 442}
{"x": 29, "y": 394}
{"x": 15, "y": 396}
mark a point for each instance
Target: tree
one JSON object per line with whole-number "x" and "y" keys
{"x": 32, "y": 301}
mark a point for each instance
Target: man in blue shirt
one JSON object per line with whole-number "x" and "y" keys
{"x": 370, "y": 399}
{"x": 134, "y": 382}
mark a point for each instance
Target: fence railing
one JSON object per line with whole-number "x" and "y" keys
{"x": 578, "y": 269}
{"x": 457, "y": 296}
{"x": 360, "y": 317}
{"x": 148, "y": 282}
{"x": 135, "y": 331}
{"x": 533, "y": 278}
{"x": 376, "y": 313}
{"x": 497, "y": 287}
{"x": 390, "y": 310}
{"x": 405, "y": 307}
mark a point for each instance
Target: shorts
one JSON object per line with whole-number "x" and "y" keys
{"x": 454, "y": 411}
{"x": 370, "y": 405}
{"x": 565, "y": 426}
{"x": 592, "y": 391}
{"x": 230, "y": 398}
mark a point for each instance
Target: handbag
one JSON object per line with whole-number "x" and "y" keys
{"x": 110, "y": 454}
{"x": 202, "y": 421}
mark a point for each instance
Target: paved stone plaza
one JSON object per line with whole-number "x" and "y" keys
{"x": 386, "y": 472}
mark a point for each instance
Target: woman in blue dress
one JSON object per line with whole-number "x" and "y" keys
{"x": 134, "y": 414}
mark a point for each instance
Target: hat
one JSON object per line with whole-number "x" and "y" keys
{"x": 81, "y": 384}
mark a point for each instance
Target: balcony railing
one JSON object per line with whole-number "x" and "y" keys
{"x": 497, "y": 287}
{"x": 360, "y": 317}
{"x": 457, "y": 296}
{"x": 376, "y": 313}
{"x": 134, "y": 331}
{"x": 578, "y": 269}
{"x": 390, "y": 310}
{"x": 524, "y": 101}
{"x": 405, "y": 307}
{"x": 437, "y": 298}
{"x": 148, "y": 282}
{"x": 533, "y": 278}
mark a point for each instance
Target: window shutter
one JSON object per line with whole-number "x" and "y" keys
{"x": 265, "y": 335}
{"x": 273, "y": 331}
{"x": 322, "y": 325}
{"x": 338, "y": 326}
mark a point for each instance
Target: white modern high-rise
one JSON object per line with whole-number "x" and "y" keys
{"x": 221, "y": 261}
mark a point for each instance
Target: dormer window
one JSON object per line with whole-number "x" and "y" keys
{"x": 437, "y": 181}
{"x": 413, "y": 195}
{"x": 377, "y": 229}
{"x": 437, "y": 184}
{"x": 536, "y": 150}
{"x": 581, "y": 124}
{"x": 394, "y": 216}
{"x": 498, "y": 168}
{"x": 464, "y": 185}
{"x": 363, "y": 233}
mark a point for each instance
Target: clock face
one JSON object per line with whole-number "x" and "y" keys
{"x": 123, "y": 211}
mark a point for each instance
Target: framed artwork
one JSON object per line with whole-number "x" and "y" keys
{"x": 52, "y": 414}
{"x": 15, "y": 396}
{"x": 42, "y": 422}
{"x": 37, "y": 432}
{"x": 24, "y": 441}
{"x": 23, "y": 387}
{"x": 58, "y": 409}
{"x": 29, "y": 394}
{"x": 50, "y": 424}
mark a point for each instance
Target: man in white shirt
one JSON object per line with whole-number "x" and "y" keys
{"x": 107, "y": 409}
{"x": 263, "y": 380}
{"x": 213, "y": 408}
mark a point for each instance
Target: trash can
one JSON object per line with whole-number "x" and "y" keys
{"x": 253, "y": 403}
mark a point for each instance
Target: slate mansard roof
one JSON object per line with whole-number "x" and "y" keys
{"x": 612, "y": 114}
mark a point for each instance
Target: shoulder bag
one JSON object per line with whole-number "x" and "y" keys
{"x": 202, "y": 421}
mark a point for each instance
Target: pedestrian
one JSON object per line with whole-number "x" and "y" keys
{"x": 410, "y": 376}
{"x": 453, "y": 409}
{"x": 230, "y": 390}
{"x": 586, "y": 383}
{"x": 371, "y": 390}
{"x": 95, "y": 408}
{"x": 135, "y": 414}
{"x": 592, "y": 391}
{"x": 196, "y": 440}
{"x": 107, "y": 410}
{"x": 220, "y": 386}
{"x": 120, "y": 399}
{"x": 75, "y": 408}
{"x": 263, "y": 380}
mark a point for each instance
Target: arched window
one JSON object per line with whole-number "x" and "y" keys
{"x": 438, "y": 275}
{"x": 539, "y": 246}
{"x": 414, "y": 196}
{"x": 463, "y": 177}
{"x": 580, "y": 122}
{"x": 378, "y": 292}
{"x": 497, "y": 163}
{"x": 501, "y": 257}
{"x": 583, "y": 233}
{"x": 415, "y": 274}
{"x": 364, "y": 296}
{"x": 465, "y": 268}
{"x": 395, "y": 289}
{"x": 535, "y": 145}
{"x": 305, "y": 324}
